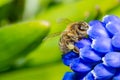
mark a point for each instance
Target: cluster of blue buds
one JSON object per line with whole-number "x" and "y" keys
{"x": 99, "y": 53}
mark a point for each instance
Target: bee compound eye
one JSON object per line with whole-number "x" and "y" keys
{"x": 83, "y": 27}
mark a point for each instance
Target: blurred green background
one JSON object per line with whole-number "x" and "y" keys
{"x": 28, "y": 34}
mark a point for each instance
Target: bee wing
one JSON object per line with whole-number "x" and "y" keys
{"x": 52, "y": 35}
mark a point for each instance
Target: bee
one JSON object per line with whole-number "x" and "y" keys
{"x": 73, "y": 33}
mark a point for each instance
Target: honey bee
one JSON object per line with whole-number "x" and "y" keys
{"x": 73, "y": 33}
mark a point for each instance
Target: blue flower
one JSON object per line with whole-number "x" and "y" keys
{"x": 99, "y": 53}
{"x": 96, "y": 30}
{"x": 117, "y": 75}
{"x": 112, "y": 59}
{"x": 89, "y": 55}
{"x": 83, "y": 42}
{"x": 116, "y": 40}
{"x": 101, "y": 71}
{"x": 79, "y": 66}
{"x": 69, "y": 76}
{"x": 102, "y": 44}
{"x": 69, "y": 57}
{"x": 113, "y": 27}
{"x": 89, "y": 76}
{"x": 109, "y": 18}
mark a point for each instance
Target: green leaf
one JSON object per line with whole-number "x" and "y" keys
{"x": 5, "y": 6}
{"x": 48, "y": 52}
{"x": 115, "y": 11}
{"x": 51, "y": 72}
{"x": 3, "y": 2}
{"x": 19, "y": 39}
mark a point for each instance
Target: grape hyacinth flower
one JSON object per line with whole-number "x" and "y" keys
{"x": 99, "y": 52}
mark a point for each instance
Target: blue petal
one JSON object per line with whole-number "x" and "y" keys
{"x": 116, "y": 41}
{"x": 69, "y": 76}
{"x": 89, "y": 55}
{"x": 102, "y": 45}
{"x": 69, "y": 57}
{"x": 110, "y": 18}
{"x": 102, "y": 72}
{"x": 89, "y": 76}
{"x": 79, "y": 66}
{"x": 97, "y": 30}
{"x": 112, "y": 59}
{"x": 83, "y": 42}
{"x": 73, "y": 76}
{"x": 113, "y": 27}
{"x": 117, "y": 75}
